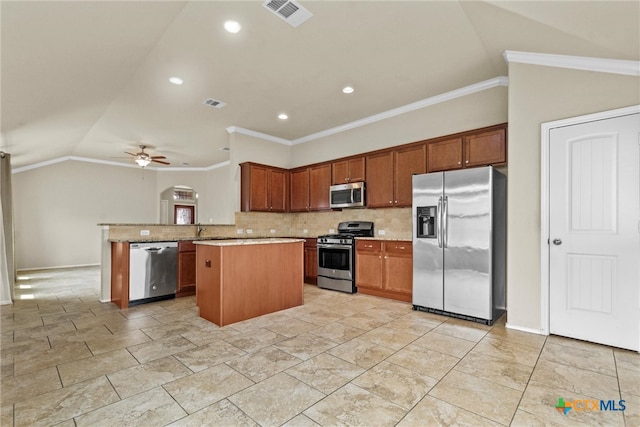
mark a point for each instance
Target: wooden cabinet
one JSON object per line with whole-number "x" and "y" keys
{"x": 311, "y": 261}
{"x": 319, "y": 183}
{"x": 488, "y": 147}
{"x": 384, "y": 268}
{"x": 348, "y": 170}
{"x": 263, "y": 188}
{"x": 309, "y": 188}
{"x": 299, "y": 190}
{"x": 389, "y": 182}
{"x": 186, "y": 269}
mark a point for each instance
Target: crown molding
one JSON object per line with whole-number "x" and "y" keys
{"x": 256, "y": 134}
{"x": 601, "y": 65}
{"x": 427, "y": 102}
{"x": 122, "y": 165}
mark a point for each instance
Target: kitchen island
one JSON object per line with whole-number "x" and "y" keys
{"x": 240, "y": 279}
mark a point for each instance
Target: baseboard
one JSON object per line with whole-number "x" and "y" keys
{"x": 6, "y": 302}
{"x": 523, "y": 329}
{"x": 58, "y": 267}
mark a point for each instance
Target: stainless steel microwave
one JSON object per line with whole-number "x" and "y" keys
{"x": 347, "y": 195}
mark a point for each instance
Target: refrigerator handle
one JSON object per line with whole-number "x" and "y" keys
{"x": 445, "y": 223}
{"x": 439, "y": 223}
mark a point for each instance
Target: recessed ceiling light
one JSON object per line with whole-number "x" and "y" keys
{"x": 176, "y": 80}
{"x": 283, "y": 116}
{"x": 232, "y": 26}
{"x": 347, "y": 89}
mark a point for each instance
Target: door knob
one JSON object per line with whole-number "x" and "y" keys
{"x": 557, "y": 241}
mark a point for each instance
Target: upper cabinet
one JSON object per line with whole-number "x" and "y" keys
{"x": 263, "y": 188}
{"x": 484, "y": 148}
{"x": 349, "y": 170}
{"x": 389, "y": 175}
{"x": 309, "y": 189}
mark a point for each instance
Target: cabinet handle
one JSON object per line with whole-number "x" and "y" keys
{"x": 396, "y": 202}
{"x": 368, "y": 246}
{"x": 385, "y": 257}
{"x": 467, "y": 161}
{"x": 400, "y": 247}
{"x": 390, "y": 202}
{"x": 458, "y": 162}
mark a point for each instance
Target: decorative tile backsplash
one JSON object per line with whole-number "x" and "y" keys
{"x": 394, "y": 222}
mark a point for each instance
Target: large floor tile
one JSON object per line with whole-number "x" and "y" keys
{"x": 51, "y": 357}
{"x": 434, "y": 412}
{"x": 150, "y": 408}
{"x": 163, "y": 347}
{"x": 214, "y": 353}
{"x": 580, "y": 381}
{"x": 446, "y": 344}
{"x": 200, "y": 390}
{"x": 325, "y": 372}
{"x": 424, "y": 361}
{"x": 222, "y": 413}
{"x": 21, "y": 387}
{"x": 361, "y": 352}
{"x": 496, "y": 370}
{"x": 597, "y": 361}
{"x": 391, "y": 338}
{"x": 64, "y": 404}
{"x": 255, "y": 339}
{"x": 338, "y": 332}
{"x": 137, "y": 379}
{"x": 352, "y": 406}
{"x": 263, "y": 363}
{"x": 477, "y": 395}
{"x": 305, "y": 346}
{"x": 116, "y": 341}
{"x": 106, "y": 363}
{"x": 508, "y": 351}
{"x": 463, "y": 329}
{"x": 262, "y": 402}
{"x": 395, "y": 384}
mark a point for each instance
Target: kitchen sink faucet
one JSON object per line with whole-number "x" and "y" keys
{"x": 199, "y": 229}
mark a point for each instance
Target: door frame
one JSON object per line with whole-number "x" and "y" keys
{"x": 545, "y": 130}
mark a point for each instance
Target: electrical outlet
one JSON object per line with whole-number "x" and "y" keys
{"x": 382, "y": 232}
{"x": 144, "y": 232}
{"x": 239, "y": 230}
{"x": 332, "y": 231}
{"x": 273, "y": 231}
{"x": 305, "y": 231}
{"x": 249, "y": 231}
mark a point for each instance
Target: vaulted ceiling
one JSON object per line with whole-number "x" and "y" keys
{"x": 91, "y": 79}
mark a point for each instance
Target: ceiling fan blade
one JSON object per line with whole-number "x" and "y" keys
{"x": 131, "y": 154}
{"x": 160, "y": 161}
{"x": 157, "y": 157}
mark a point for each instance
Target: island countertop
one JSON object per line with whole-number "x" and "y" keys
{"x": 237, "y": 242}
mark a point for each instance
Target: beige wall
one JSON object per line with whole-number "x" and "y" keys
{"x": 485, "y": 108}
{"x": 537, "y": 95}
{"x": 57, "y": 209}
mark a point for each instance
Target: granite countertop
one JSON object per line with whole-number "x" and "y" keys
{"x": 166, "y": 239}
{"x": 237, "y": 242}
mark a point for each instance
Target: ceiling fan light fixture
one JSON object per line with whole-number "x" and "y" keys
{"x": 232, "y": 26}
{"x": 142, "y": 162}
{"x": 176, "y": 80}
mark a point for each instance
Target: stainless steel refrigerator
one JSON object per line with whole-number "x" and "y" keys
{"x": 459, "y": 243}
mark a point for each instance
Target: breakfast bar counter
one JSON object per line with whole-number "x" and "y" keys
{"x": 239, "y": 279}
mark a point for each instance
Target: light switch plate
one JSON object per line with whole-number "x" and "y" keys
{"x": 239, "y": 230}
{"x": 332, "y": 231}
{"x": 273, "y": 231}
{"x": 144, "y": 232}
{"x": 382, "y": 232}
{"x": 249, "y": 230}
{"x": 305, "y": 231}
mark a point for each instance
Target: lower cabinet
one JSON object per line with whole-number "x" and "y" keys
{"x": 384, "y": 268}
{"x": 186, "y": 269}
{"x": 310, "y": 261}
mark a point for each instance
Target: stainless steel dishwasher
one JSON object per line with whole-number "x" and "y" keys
{"x": 153, "y": 271}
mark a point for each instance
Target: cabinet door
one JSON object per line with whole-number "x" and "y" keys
{"x": 300, "y": 190}
{"x": 186, "y": 271}
{"x": 357, "y": 169}
{"x": 398, "y": 267}
{"x": 379, "y": 187}
{"x": 369, "y": 265}
{"x": 278, "y": 190}
{"x": 340, "y": 172}
{"x": 487, "y": 148}
{"x": 407, "y": 163}
{"x": 319, "y": 182}
{"x": 444, "y": 155}
{"x": 310, "y": 264}
{"x": 258, "y": 188}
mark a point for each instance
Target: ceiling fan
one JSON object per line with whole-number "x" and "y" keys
{"x": 143, "y": 159}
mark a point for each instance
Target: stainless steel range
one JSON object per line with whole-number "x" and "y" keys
{"x": 337, "y": 255}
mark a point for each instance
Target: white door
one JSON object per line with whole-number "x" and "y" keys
{"x": 594, "y": 225}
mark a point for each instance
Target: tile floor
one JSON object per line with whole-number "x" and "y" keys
{"x": 340, "y": 359}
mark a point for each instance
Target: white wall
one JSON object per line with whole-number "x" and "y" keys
{"x": 536, "y": 95}
{"x": 57, "y": 209}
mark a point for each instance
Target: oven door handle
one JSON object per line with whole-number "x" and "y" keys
{"x": 331, "y": 246}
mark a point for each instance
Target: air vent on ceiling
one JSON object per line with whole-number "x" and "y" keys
{"x": 289, "y": 11}
{"x": 214, "y": 103}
